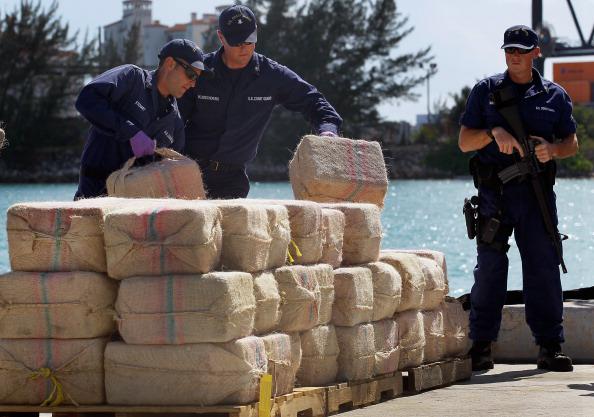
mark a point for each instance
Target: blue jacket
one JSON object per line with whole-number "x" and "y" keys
{"x": 545, "y": 109}
{"x": 119, "y": 103}
{"x": 226, "y": 123}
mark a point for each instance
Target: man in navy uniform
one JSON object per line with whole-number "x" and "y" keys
{"x": 546, "y": 112}
{"x": 132, "y": 111}
{"x": 227, "y": 114}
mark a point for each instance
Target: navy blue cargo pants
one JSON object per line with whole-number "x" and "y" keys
{"x": 542, "y": 291}
{"x": 225, "y": 184}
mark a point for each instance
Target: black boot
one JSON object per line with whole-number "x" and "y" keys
{"x": 480, "y": 353}
{"x": 551, "y": 357}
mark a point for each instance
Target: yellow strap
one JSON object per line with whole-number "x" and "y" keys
{"x": 297, "y": 252}
{"x": 265, "y": 404}
{"x": 56, "y": 397}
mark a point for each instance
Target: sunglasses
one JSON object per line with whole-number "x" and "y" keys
{"x": 190, "y": 73}
{"x": 512, "y": 50}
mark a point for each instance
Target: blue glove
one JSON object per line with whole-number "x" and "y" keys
{"x": 142, "y": 145}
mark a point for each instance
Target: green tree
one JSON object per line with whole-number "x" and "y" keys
{"x": 41, "y": 70}
{"x": 113, "y": 56}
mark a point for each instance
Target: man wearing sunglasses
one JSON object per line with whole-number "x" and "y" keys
{"x": 227, "y": 114}
{"x": 546, "y": 113}
{"x": 132, "y": 111}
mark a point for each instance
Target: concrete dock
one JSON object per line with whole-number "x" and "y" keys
{"x": 507, "y": 390}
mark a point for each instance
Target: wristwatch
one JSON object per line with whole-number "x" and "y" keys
{"x": 490, "y": 134}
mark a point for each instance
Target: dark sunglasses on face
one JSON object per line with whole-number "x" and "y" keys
{"x": 190, "y": 73}
{"x": 512, "y": 50}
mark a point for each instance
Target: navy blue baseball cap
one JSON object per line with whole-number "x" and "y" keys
{"x": 238, "y": 24}
{"x": 520, "y": 36}
{"x": 184, "y": 49}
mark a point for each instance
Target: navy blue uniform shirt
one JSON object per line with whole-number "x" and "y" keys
{"x": 119, "y": 103}
{"x": 227, "y": 114}
{"x": 545, "y": 109}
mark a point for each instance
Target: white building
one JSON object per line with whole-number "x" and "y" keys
{"x": 153, "y": 34}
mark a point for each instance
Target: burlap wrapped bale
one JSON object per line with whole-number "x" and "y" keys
{"x": 353, "y": 298}
{"x": 268, "y": 302}
{"x": 333, "y": 223}
{"x": 356, "y": 359}
{"x": 296, "y": 352}
{"x": 413, "y": 279}
{"x": 56, "y": 305}
{"x": 27, "y": 367}
{"x": 58, "y": 236}
{"x": 435, "y": 284}
{"x": 325, "y": 275}
{"x": 255, "y": 237}
{"x": 437, "y": 256}
{"x": 280, "y": 363}
{"x": 434, "y": 336}
{"x": 319, "y": 365}
{"x": 305, "y": 218}
{"x": 198, "y": 374}
{"x": 171, "y": 175}
{"x": 300, "y": 297}
{"x": 214, "y": 307}
{"x": 168, "y": 239}
{"x": 338, "y": 169}
{"x": 387, "y": 289}
{"x": 411, "y": 337}
{"x": 387, "y": 349}
{"x": 455, "y": 324}
{"x": 362, "y": 232}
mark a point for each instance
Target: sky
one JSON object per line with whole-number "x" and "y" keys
{"x": 465, "y": 35}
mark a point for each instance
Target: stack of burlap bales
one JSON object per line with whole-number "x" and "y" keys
{"x": 57, "y": 306}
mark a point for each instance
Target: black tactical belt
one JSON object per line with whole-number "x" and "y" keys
{"x": 216, "y": 166}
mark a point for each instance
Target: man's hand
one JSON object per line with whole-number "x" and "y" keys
{"x": 544, "y": 151}
{"x": 142, "y": 145}
{"x": 329, "y": 134}
{"x": 506, "y": 142}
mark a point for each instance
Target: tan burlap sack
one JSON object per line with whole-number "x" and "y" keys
{"x": 434, "y": 335}
{"x": 337, "y": 169}
{"x": 58, "y": 236}
{"x": 255, "y": 237}
{"x": 435, "y": 284}
{"x": 437, "y": 256}
{"x": 387, "y": 289}
{"x": 214, "y": 307}
{"x": 455, "y": 324}
{"x": 198, "y": 374}
{"x": 319, "y": 364}
{"x": 353, "y": 297}
{"x": 280, "y": 363}
{"x": 411, "y": 337}
{"x": 296, "y": 352}
{"x": 179, "y": 238}
{"x": 56, "y": 305}
{"x": 356, "y": 359}
{"x": 387, "y": 349}
{"x": 268, "y": 302}
{"x": 172, "y": 175}
{"x": 35, "y": 371}
{"x": 413, "y": 279}
{"x": 305, "y": 218}
{"x": 333, "y": 223}
{"x": 362, "y": 232}
{"x": 300, "y": 297}
{"x": 325, "y": 275}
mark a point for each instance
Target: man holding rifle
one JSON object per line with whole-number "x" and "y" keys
{"x": 518, "y": 123}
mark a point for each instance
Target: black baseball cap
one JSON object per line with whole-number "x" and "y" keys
{"x": 238, "y": 25}
{"x": 520, "y": 36}
{"x": 184, "y": 49}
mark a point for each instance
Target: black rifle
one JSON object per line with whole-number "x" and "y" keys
{"x": 506, "y": 102}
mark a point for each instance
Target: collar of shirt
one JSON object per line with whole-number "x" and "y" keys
{"x": 150, "y": 83}
{"x": 219, "y": 66}
{"x": 537, "y": 86}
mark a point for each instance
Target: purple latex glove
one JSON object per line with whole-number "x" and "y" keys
{"x": 329, "y": 134}
{"x": 142, "y": 145}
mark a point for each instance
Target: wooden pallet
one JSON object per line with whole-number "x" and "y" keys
{"x": 438, "y": 374}
{"x": 303, "y": 402}
{"x": 349, "y": 395}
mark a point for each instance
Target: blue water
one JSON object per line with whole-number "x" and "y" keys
{"x": 417, "y": 214}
